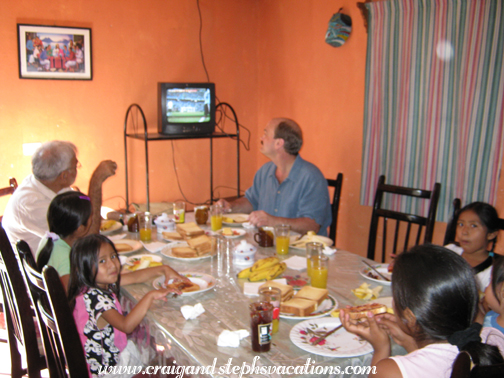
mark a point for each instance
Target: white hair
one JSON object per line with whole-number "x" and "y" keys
{"x": 52, "y": 158}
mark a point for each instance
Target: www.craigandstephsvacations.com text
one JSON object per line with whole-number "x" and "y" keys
{"x": 239, "y": 370}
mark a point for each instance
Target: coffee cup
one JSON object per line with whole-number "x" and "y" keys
{"x": 264, "y": 236}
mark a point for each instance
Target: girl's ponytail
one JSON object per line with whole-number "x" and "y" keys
{"x": 45, "y": 252}
{"x": 469, "y": 340}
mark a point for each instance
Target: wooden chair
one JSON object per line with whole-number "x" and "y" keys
{"x": 58, "y": 320}
{"x": 463, "y": 367}
{"x": 422, "y": 222}
{"x": 336, "y": 184}
{"x": 19, "y": 314}
{"x": 451, "y": 227}
{"x": 7, "y": 191}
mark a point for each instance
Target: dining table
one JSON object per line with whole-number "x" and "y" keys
{"x": 165, "y": 335}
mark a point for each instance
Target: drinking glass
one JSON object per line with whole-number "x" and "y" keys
{"x": 216, "y": 217}
{"x": 145, "y": 226}
{"x": 319, "y": 270}
{"x": 272, "y": 295}
{"x": 261, "y": 316}
{"x": 312, "y": 249}
{"x": 282, "y": 239}
{"x": 179, "y": 211}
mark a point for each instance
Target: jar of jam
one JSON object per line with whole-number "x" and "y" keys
{"x": 133, "y": 225}
{"x": 201, "y": 214}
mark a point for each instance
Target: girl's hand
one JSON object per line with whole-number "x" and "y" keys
{"x": 162, "y": 293}
{"x": 171, "y": 274}
{"x": 368, "y": 329}
{"x": 388, "y": 322}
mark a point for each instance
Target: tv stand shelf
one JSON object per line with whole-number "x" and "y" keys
{"x": 149, "y": 137}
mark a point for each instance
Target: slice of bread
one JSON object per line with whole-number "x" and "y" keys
{"x": 360, "y": 312}
{"x": 202, "y": 244}
{"x": 189, "y": 229}
{"x": 123, "y": 247}
{"x": 287, "y": 290}
{"x": 185, "y": 287}
{"x": 298, "y": 306}
{"x": 172, "y": 235}
{"x": 184, "y": 252}
{"x": 312, "y": 293}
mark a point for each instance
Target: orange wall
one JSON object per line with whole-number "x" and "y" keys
{"x": 268, "y": 58}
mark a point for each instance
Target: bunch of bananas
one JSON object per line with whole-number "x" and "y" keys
{"x": 263, "y": 269}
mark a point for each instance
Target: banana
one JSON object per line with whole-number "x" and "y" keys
{"x": 259, "y": 275}
{"x": 245, "y": 273}
{"x": 278, "y": 269}
{"x": 268, "y": 273}
{"x": 264, "y": 263}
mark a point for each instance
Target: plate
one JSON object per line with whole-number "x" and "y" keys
{"x": 135, "y": 244}
{"x": 238, "y": 218}
{"x": 382, "y": 268}
{"x": 325, "y": 308}
{"x": 340, "y": 344}
{"x": 116, "y": 226}
{"x": 167, "y": 251}
{"x": 205, "y": 282}
{"x": 294, "y": 238}
{"x": 387, "y": 301}
{"x": 237, "y": 233}
{"x": 131, "y": 259}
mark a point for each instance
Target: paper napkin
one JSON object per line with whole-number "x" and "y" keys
{"x": 117, "y": 237}
{"x": 296, "y": 262}
{"x": 153, "y": 247}
{"x": 192, "y": 312}
{"x": 329, "y": 251}
{"x": 232, "y": 338}
{"x": 252, "y": 288}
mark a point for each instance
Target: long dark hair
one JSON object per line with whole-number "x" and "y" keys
{"x": 487, "y": 215}
{"x": 497, "y": 274}
{"x": 67, "y": 212}
{"x": 439, "y": 288}
{"x": 84, "y": 266}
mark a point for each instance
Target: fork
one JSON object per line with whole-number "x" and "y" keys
{"x": 324, "y": 336}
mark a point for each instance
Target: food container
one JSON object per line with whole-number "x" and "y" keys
{"x": 244, "y": 254}
{"x": 164, "y": 223}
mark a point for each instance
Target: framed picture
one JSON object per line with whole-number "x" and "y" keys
{"x": 54, "y": 52}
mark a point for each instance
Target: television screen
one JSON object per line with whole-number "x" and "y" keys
{"x": 186, "y": 108}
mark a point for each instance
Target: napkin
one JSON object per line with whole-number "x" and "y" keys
{"x": 153, "y": 247}
{"x": 117, "y": 237}
{"x": 252, "y": 288}
{"x": 232, "y": 338}
{"x": 192, "y": 312}
{"x": 329, "y": 251}
{"x": 296, "y": 262}
{"x": 455, "y": 248}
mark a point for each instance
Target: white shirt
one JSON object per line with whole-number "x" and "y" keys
{"x": 25, "y": 216}
{"x": 483, "y": 278}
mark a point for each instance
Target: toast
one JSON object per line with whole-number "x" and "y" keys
{"x": 185, "y": 287}
{"x": 286, "y": 290}
{"x": 184, "y": 252}
{"x": 298, "y": 306}
{"x": 202, "y": 244}
{"x": 189, "y": 230}
{"x": 312, "y": 293}
{"x": 172, "y": 235}
{"x": 360, "y": 312}
{"x": 123, "y": 247}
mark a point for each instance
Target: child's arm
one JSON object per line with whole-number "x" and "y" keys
{"x": 145, "y": 274}
{"x": 129, "y": 322}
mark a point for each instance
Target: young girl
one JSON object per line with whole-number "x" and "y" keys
{"x": 68, "y": 217}
{"x": 477, "y": 226}
{"x": 92, "y": 292}
{"x": 435, "y": 300}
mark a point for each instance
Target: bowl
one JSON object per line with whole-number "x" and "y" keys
{"x": 244, "y": 254}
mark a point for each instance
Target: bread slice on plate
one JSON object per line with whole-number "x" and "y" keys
{"x": 286, "y": 290}
{"x": 298, "y": 306}
{"x": 360, "y": 312}
{"x": 202, "y": 244}
{"x": 173, "y": 235}
{"x": 123, "y": 247}
{"x": 189, "y": 230}
{"x": 184, "y": 252}
{"x": 312, "y": 293}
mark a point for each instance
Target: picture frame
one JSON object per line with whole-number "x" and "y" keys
{"x": 54, "y": 52}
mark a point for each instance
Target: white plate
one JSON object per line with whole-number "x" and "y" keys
{"x": 234, "y": 217}
{"x": 325, "y": 308}
{"x": 237, "y": 233}
{"x": 205, "y": 282}
{"x": 382, "y": 268}
{"x": 131, "y": 259}
{"x": 116, "y": 226}
{"x": 294, "y": 238}
{"x": 387, "y": 301}
{"x": 135, "y": 244}
{"x": 167, "y": 251}
{"x": 340, "y": 344}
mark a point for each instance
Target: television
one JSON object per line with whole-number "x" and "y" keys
{"x": 186, "y": 108}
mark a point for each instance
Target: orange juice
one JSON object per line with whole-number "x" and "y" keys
{"x": 216, "y": 221}
{"x": 275, "y": 322}
{"x": 308, "y": 266}
{"x": 319, "y": 277}
{"x": 145, "y": 234}
{"x": 282, "y": 245}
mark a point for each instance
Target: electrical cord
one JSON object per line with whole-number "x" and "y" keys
{"x": 200, "y": 41}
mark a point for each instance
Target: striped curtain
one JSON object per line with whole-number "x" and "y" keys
{"x": 434, "y": 106}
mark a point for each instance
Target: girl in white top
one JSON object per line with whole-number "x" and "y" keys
{"x": 435, "y": 303}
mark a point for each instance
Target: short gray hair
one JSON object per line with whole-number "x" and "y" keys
{"x": 52, "y": 158}
{"x": 291, "y": 133}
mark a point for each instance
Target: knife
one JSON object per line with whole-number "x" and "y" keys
{"x": 381, "y": 275}
{"x": 324, "y": 336}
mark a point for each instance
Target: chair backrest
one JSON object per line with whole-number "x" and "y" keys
{"x": 8, "y": 190}
{"x": 18, "y": 312}
{"x": 422, "y": 222}
{"x": 337, "y": 184}
{"x": 451, "y": 227}
{"x": 463, "y": 367}
{"x": 59, "y": 322}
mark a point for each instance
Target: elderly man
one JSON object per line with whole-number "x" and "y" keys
{"x": 288, "y": 189}
{"x": 54, "y": 167}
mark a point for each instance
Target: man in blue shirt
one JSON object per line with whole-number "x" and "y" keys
{"x": 288, "y": 189}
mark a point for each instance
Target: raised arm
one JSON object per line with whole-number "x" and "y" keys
{"x": 104, "y": 170}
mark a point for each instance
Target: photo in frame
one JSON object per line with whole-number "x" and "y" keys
{"x": 54, "y": 52}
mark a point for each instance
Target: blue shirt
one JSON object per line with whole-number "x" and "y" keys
{"x": 303, "y": 194}
{"x": 491, "y": 321}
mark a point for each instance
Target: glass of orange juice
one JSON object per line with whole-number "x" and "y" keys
{"x": 282, "y": 238}
{"x": 313, "y": 249}
{"x": 318, "y": 271}
{"x": 145, "y": 226}
{"x": 216, "y": 217}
